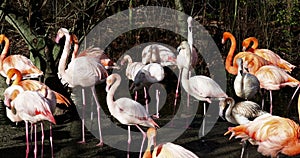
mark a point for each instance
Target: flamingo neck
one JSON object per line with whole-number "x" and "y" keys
{"x": 75, "y": 49}
{"x": 4, "y": 51}
{"x": 185, "y": 80}
{"x": 228, "y": 113}
{"x": 112, "y": 90}
{"x": 11, "y": 73}
{"x": 255, "y": 43}
{"x": 64, "y": 56}
{"x": 228, "y": 64}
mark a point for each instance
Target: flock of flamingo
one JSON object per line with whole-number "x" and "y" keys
{"x": 255, "y": 69}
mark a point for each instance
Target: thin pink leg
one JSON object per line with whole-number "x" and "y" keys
{"x": 146, "y": 99}
{"x": 51, "y": 141}
{"x": 143, "y": 141}
{"x": 271, "y": 103}
{"x": 43, "y": 137}
{"x": 176, "y": 97}
{"x": 290, "y": 102}
{"x": 35, "y": 142}
{"x": 157, "y": 103}
{"x": 83, "y": 114}
{"x": 99, "y": 122}
{"x": 128, "y": 141}
{"x": 135, "y": 96}
{"x": 27, "y": 140}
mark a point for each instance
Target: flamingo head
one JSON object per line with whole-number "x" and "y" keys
{"x": 11, "y": 93}
{"x": 2, "y": 36}
{"x": 151, "y": 134}
{"x": 226, "y": 35}
{"x": 109, "y": 81}
{"x": 224, "y": 105}
{"x": 61, "y": 33}
{"x": 189, "y": 21}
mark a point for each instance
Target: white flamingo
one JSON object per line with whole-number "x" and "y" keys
{"x": 84, "y": 71}
{"x": 127, "y": 111}
{"x": 156, "y": 53}
{"x": 201, "y": 87}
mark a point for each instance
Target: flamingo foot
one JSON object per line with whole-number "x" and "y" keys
{"x": 100, "y": 144}
{"x": 156, "y": 116}
{"x": 81, "y": 142}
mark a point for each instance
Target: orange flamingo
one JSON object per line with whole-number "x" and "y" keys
{"x": 33, "y": 107}
{"x": 254, "y": 61}
{"x": 167, "y": 150}
{"x": 272, "y": 134}
{"x": 33, "y": 85}
{"x": 104, "y": 59}
{"x": 127, "y": 111}
{"x": 267, "y": 54}
{"x": 273, "y": 78}
{"x": 20, "y": 62}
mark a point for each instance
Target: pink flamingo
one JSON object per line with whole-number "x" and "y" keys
{"x": 272, "y": 134}
{"x": 156, "y": 53}
{"x": 267, "y": 54}
{"x": 127, "y": 111}
{"x": 84, "y": 71}
{"x": 201, "y": 87}
{"x": 20, "y": 62}
{"x": 273, "y": 78}
{"x": 30, "y": 106}
{"x": 104, "y": 59}
{"x": 168, "y": 149}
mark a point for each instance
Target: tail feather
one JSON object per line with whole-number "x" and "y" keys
{"x": 60, "y": 99}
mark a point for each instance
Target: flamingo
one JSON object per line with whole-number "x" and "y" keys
{"x": 33, "y": 85}
{"x": 267, "y": 54}
{"x": 150, "y": 73}
{"x": 104, "y": 59}
{"x": 254, "y": 61}
{"x": 246, "y": 85}
{"x": 193, "y": 60}
{"x": 272, "y": 134}
{"x": 127, "y": 111}
{"x": 239, "y": 113}
{"x": 156, "y": 53}
{"x": 84, "y": 71}
{"x": 20, "y": 62}
{"x": 30, "y": 106}
{"x": 166, "y": 150}
{"x": 273, "y": 78}
{"x": 201, "y": 87}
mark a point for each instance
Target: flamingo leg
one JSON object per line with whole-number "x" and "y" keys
{"x": 157, "y": 103}
{"x": 146, "y": 99}
{"x": 271, "y": 103}
{"x": 27, "y": 140}
{"x": 43, "y": 137}
{"x": 92, "y": 113}
{"x": 51, "y": 141}
{"x": 244, "y": 146}
{"x": 35, "y": 142}
{"x": 143, "y": 141}
{"x": 290, "y": 102}
{"x": 135, "y": 96}
{"x": 98, "y": 110}
{"x": 176, "y": 96}
{"x": 128, "y": 141}
{"x": 82, "y": 119}
{"x": 204, "y": 120}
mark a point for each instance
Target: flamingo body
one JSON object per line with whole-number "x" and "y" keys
{"x": 156, "y": 53}
{"x": 267, "y": 54}
{"x": 272, "y": 134}
{"x": 20, "y": 62}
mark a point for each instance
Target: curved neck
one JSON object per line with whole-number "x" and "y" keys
{"x": 255, "y": 42}
{"x": 11, "y": 73}
{"x": 75, "y": 49}
{"x": 64, "y": 55}
{"x": 228, "y": 113}
{"x": 4, "y": 51}
{"x": 228, "y": 64}
{"x": 112, "y": 90}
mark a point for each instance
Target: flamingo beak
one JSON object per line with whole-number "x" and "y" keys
{"x": 107, "y": 88}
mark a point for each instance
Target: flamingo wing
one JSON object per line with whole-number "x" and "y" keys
{"x": 130, "y": 112}
{"x": 171, "y": 150}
